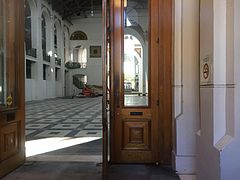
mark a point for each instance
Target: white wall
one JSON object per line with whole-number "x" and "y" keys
{"x": 186, "y": 84}
{"x": 230, "y": 159}
{"x": 219, "y": 137}
{"x": 92, "y": 26}
{"x": 208, "y": 157}
{"x": 36, "y": 88}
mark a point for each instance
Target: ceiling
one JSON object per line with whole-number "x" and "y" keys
{"x": 76, "y": 8}
{"x": 69, "y": 9}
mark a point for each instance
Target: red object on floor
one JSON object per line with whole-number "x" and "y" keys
{"x": 87, "y": 91}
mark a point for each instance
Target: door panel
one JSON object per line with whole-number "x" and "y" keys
{"x": 136, "y": 76}
{"x": 141, "y": 91}
{"x": 12, "y": 125}
{"x": 136, "y": 135}
{"x": 9, "y": 139}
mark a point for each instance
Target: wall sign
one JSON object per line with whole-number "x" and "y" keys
{"x": 206, "y": 71}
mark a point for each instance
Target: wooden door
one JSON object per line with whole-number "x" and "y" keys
{"x": 141, "y": 83}
{"x": 12, "y": 87}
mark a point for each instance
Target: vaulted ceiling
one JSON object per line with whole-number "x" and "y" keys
{"x": 75, "y": 8}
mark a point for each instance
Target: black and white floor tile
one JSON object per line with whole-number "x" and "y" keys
{"x": 78, "y": 117}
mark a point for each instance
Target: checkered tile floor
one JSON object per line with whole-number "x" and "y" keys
{"x": 78, "y": 117}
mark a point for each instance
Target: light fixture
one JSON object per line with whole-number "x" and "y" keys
{"x": 91, "y": 12}
{"x": 50, "y": 53}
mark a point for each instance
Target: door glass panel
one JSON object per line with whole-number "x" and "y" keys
{"x": 135, "y": 62}
{"x": 7, "y": 54}
{"x": 2, "y": 74}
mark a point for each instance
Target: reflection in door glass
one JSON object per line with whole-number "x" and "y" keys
{"x": 135, "y": 64}
{"x": 1, "y": 55}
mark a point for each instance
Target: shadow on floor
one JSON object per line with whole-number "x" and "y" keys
{"x": 141, "y": 172}
{"x": 89, "y": 171}
{"x": 56, "y": 171}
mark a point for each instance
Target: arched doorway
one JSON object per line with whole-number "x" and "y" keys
{"x": 135, "y": 69}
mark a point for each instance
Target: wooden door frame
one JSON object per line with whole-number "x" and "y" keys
{"x": 105, "y": 119}
{"x": 165, "y": 34}
{"x": 16, "y": 160}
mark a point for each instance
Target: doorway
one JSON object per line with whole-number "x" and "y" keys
{"x": 53, "y": 125}
{"x": 58, "y": 125}
{"x": 140, "y": 43}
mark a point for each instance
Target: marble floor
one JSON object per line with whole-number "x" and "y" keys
{"x": 78, "y": 117}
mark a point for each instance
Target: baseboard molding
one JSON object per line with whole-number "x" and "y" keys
{"x": 185, "y": 164}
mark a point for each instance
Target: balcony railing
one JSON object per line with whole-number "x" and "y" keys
{"x": 83, "y": 65}
{"x": 46, "y": 57}
{"x": 58, "y": 61}
{"x": 32, "y": 52}
{"x": 75, "y": 65}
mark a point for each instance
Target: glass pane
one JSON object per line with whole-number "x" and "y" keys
{"x": 135, "y": 64}
{"x": 2, "y": 74}
{"x": 7, "y": 54}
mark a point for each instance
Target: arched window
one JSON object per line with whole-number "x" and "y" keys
{"x": 134, "y": 69}
{"x": 55, "y": 41}
{"x": 57, "y": 33}
{"x": 66, "y": 44}
{"x": 28, "y": 27}
{"x": 79, "y": 35}
{"x": 44, "y": 39}
{"x": 80, "y": 56}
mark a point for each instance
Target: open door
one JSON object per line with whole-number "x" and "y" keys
{"x": 12, "y": 95}
{"x": 141, "y": 121}
{"x": 136, "y": 82}
{"x": 106, "y": 85}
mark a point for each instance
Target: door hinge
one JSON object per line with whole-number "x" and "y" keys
{"x": 158, "y": 102}
{"x": 158, "y": 40}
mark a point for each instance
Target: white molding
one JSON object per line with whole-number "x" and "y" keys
{"x": 185, "y": 164}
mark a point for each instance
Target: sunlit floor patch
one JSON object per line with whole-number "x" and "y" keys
{"x": 41, "y": 146}
{"x": 66, "y": 158}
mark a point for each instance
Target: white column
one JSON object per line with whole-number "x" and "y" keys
{"x": 186, "y": 84}
{"x": 216, "y": 88}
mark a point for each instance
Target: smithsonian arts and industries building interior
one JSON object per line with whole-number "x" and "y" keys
{"x": 120, "y": 89}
